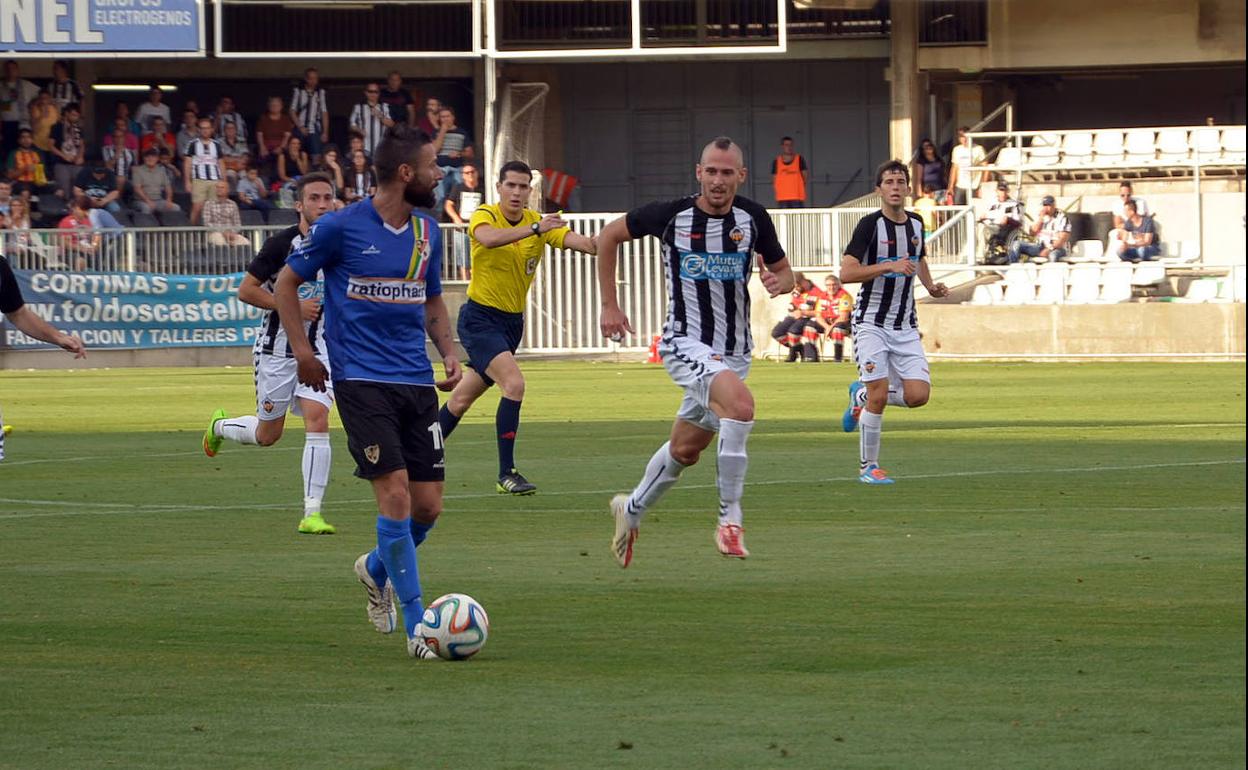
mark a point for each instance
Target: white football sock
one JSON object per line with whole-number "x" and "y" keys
{"x": 661, "y": 473}
{"x": 731, "y": 464}
{"x": 870, "y": 425}
{"x": 316, "y": 461}
{"x": 897, "y": 398}
{"x": 240, "y": 429}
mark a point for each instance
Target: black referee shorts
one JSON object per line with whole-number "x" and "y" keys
{"x": 391, "y": 426}
{"x": 485, "y": 332}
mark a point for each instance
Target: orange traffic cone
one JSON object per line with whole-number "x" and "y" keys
{"x": 654, "y": 351}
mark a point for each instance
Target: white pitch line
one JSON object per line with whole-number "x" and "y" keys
{"x": 177, "y": 508}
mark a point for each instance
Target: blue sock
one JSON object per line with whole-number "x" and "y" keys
{"x": 447, "y": 421}
{"x": 420, "y": 531}
{"x": 394, "y": 543}
{"x": 507, "y": 422}
{"x": 376, "y": 569}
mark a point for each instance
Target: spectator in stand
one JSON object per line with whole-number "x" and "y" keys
{"x": 131, "y": 142}
{"x": 372, "y": 117}
{"x": 16, "y": 94}
{"x": 1002, "y": 218}
{"x": 331, "y": 166}
{"x": 1052, "y": 234}
{"x": 64, "y": 90}
{"x": 1127, "y": 193}
{"x": 153, "y": 108}
{"x": 122, "y": 112}
{"x": 253, "y": 193}
{"x": 68, "y": 150}
{"x": 44, "y": 114}
{"x": 187, "y": 133}
{"x": 273, "y": 130}
{"x": 222, "y": 217}
{"x": 20, "y": 241}
{"x": 355, "y": 141}
{"x": 429, "y": 120}
{"x": 789, "y": 176}
{"x": 463, "y": 200}
{"x": 80, "y": 240}
{"x": 834, "y": 310}
{"x": 1137, "y": 238}
{"x": 26, "y": 168}
{"x": 928, "y": 169}
{"x": 925, "y": 207}
{"x": 454, "y": 146}
{"x": 159, "y": 137}
{"x": 98, "y": 185}
{"x": 965, "y": 154}
{"x": 802, "y": 304}
{"x": 226, "y": 115}
{"x": 152, "y": 188}
{"x": 172, "y": 172}
{"x": 360, "y": 183}
{"x": 394, "y": 95}
{"x": 119, "y": 158}
{"x": 234, "y": 152}
{"x": 310, "y": 113}
{"x": 204, "y": 167}
{"x": 293, "y": 162}
{"x": 6, "y": 197}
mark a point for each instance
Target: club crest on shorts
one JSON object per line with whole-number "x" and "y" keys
{"x": 869, "y": 366}
{"x": 372, "y": 453}
{"x": 736, "y": 235}
{"x": 267, "y": 405}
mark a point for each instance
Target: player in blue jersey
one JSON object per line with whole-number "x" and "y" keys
{"x": 383, "y": 296}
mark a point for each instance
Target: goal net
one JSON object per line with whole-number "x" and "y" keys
{"x": 522, "y": 107}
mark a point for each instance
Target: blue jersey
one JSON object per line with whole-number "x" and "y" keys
{"x": 376, "y": 281}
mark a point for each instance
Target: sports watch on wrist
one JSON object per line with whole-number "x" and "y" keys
{"x": 536, "y": 230}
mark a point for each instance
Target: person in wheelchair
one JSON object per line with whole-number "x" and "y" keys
{"x": 998, "y": 225}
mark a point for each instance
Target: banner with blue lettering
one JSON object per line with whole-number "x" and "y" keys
{"x": 105, "y": 26}
{"x": 137, "y": 310}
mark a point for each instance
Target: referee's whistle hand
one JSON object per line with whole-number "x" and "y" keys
{"x": 312, "y": 373}
{"x": 551, "y": 222}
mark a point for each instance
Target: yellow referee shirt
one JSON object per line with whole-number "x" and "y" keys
{"x": 501, "y": 277}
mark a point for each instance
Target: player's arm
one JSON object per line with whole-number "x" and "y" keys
{"x": 773, "y": 265}
{"x": 438, "y": 329}
{"x": 577, "y": 242}
{"x": 852, "y": 269}
{"x": 286, "y": 298}
{"x": 491, "y": 236}
{"x": 32, "y": 325}
{"x": 925, "y": 276}
{"x": 613, "y": 322}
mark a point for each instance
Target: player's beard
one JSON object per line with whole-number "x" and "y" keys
{"x": 418, "y": 195}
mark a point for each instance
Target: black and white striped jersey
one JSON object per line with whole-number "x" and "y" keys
{"x": 309, "y": 109}
{"x": 118, "y": 159}
{"x": 240, "y": 124}
{"x": 887, "y": 301}
{"x": 369, "y": 121}
{"x": 65, "y": 92}
{"x": 205, "y": 159}
{"x": 707, "y": 260}
{"x": 265, "y": 267}
{"x": 1008, "y": 208}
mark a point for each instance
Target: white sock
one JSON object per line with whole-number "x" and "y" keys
{"x": 731, "y": 464}
{"x": 897, "y": 398}
{"x": 240, "y": 429}
{"x": 316, "y": 461}
{"x": 860, "y": 398}
{"x": 870, "y": 425}
{"x": 661, "y": 473}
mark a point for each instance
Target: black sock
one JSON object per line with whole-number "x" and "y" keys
{"x": 507, "y": 422}
{"x": 447, "y": 420}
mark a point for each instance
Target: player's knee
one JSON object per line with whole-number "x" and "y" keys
{"x": 426, "y": 511}
{"x": 740, "y": 409}
{"x": 513, "y": 388}
{"x": 685, "y": 455}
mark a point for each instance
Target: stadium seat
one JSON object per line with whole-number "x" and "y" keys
{"x": 1085, "y": 284}
{"x": 1087, "y": 251}
{"x": 1019, "y": 287}
{"x": 1077, "y": 148}
{"x": 1140, "y": 146}
{"x": 176, "y": 218}
{"x": 183, "y": 199}
{"x": 251, "y": 218}
{"x": 1148, "y": 274}
{"x": 1201, "y": 290}
{"x": 1010, "y": 157}
{"x": 1051, "y": 284}
{"x": 1108, "y": 147}
{"x": 1172, "y": 145}
{"x": 1044, "y": 150}
{"x": 1233, "y": 143}
{"x": 52, "y": 208}
{"x": 1115, "y": 283}
{"x": 145, "y": 220}
{"x": 987, "y": 294}
{"x": 1206, "y": 143}
{"x": 123, "y": 218}
{"x": 284, "y": 217}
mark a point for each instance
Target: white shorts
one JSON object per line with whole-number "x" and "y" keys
{"x": 897, "y": 355}
{"x": 692, "y": 365}
{"x": 278, "y": 388}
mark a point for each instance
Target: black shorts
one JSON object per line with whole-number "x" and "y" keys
{"x": 485, "y": 332}
{"x": 391, "y": 426}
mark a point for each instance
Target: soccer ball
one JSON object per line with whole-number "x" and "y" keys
{"x": 455, "y": 626}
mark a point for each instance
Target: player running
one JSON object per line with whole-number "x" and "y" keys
{"x": 508, "y": 240}
{"x": 708, "y": 244}
{"x": 383, "y": 296}
{"x": 276, "y": 376}
{"x": 885, "y": 254}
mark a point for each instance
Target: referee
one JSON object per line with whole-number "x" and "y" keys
{"x": 14, "y": 309}
{"x": 508, "y": 240}
{"x": 383, "y": 297}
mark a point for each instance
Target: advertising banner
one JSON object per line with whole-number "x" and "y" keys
{"x": 100, "y": 26}
{"x": 137, "y": 310}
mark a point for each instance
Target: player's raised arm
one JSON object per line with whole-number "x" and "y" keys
{"x": 286, "y": 298}
{"x": 613, "y": 322}
{"x": 582, "y": 243}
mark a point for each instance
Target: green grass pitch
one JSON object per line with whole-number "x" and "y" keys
{"x": 1057, "y": 581}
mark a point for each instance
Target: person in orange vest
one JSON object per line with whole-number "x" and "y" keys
{"x": 788, "y": 176}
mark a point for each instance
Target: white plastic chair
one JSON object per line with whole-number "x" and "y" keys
{"x": 1172, "y": 145}
{"x": 1085, "y": 284}
{"x": 1108, "y": 147}
{"x": 987, "y": 294}
{"x": 1087, "y": 251}
{"x": 1140, "y": 146}
{"x": 1077, "y": 148}
{"x": 1019, "y": 286}
{"x": 1148, "y": 274}
{"x": 1201, "y": 290}
{"x": 1051, "y": 284}
{"x": 1233, "y": 142}
{"x": 1115, "y": 283}
{"x": 1009, "y": 157}
{"x": 1044, "y": 150}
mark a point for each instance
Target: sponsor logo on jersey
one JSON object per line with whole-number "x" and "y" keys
{"x": 530, "y": 266}
{"x": 372, "y": 453}
{"x": 712, "y": 266}
{"x": 395, "y": 290}
{"x": 370, "y": 251}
